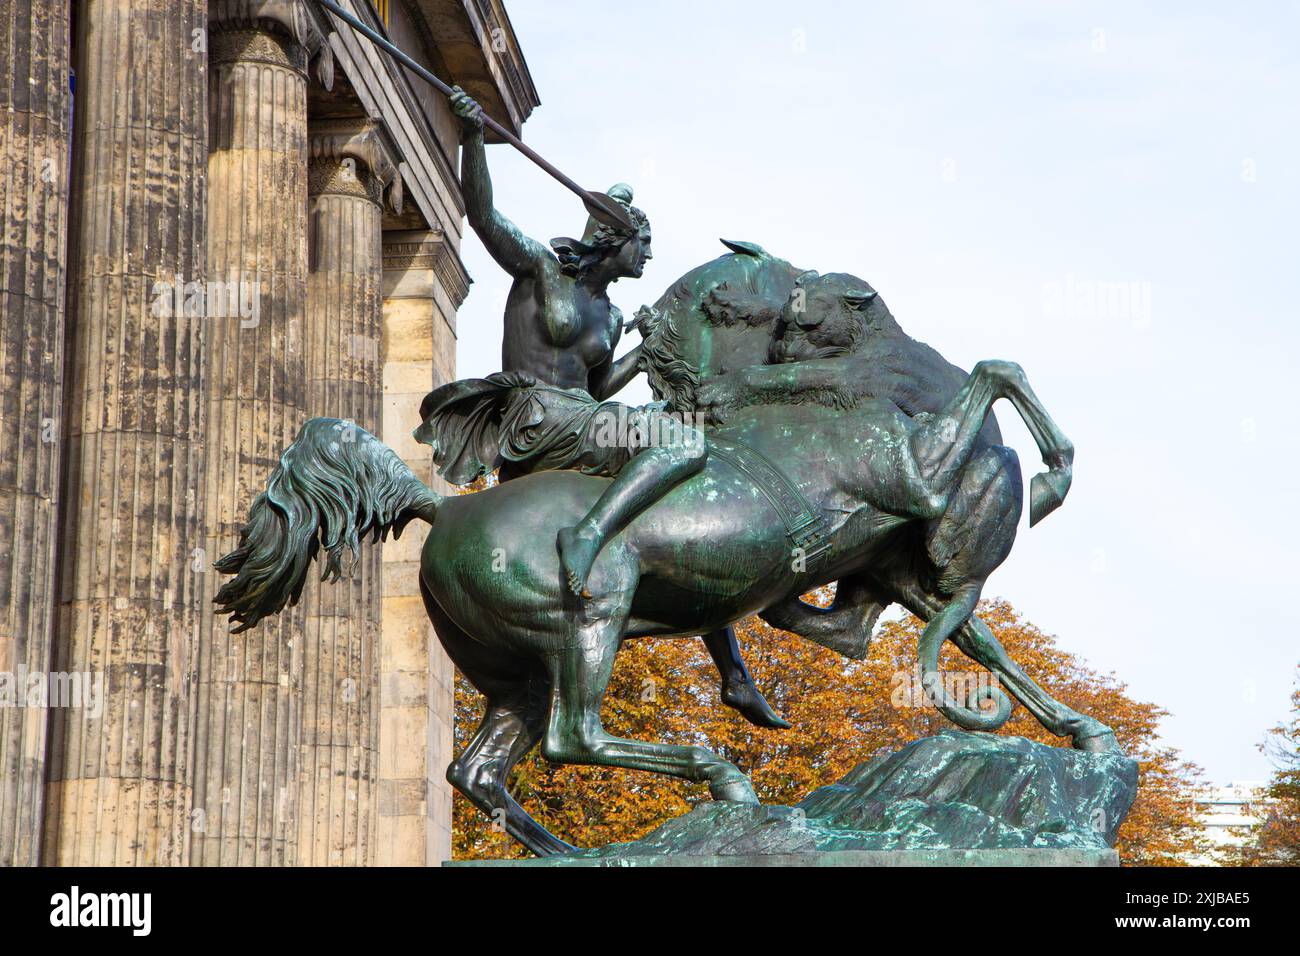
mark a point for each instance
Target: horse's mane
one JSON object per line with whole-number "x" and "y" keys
{"x": 671, "y": 377}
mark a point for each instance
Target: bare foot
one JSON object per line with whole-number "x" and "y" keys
{"x": 752, "y": 705}
{"x": 578, "y": 549}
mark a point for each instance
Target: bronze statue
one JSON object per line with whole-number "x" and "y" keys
{"x": 840, "y": 451}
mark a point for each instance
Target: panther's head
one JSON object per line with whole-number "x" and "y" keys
{"x": 824, "y": 316}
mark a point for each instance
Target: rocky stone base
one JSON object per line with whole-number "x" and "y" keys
{"x": 849, "y": 858}
{"x": 956, "y": 799}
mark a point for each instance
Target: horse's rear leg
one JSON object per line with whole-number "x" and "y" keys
{"x": 512, "y": 725}
{"x": 580, "y": 674}
{"x": 513, "y": 720}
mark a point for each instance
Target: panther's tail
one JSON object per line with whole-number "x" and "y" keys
{"x": 335, "y": 483}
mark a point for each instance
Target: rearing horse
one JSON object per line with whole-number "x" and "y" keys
{"x": 916, "y": 506}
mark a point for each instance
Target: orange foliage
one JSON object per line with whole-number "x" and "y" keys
{"x": 844, "y": 712}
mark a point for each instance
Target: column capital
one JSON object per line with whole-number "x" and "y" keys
{"x": 365, "y": 141}
{"x": 290, "y": 17}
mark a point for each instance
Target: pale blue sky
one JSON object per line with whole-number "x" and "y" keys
{"x": 988, "y": 167}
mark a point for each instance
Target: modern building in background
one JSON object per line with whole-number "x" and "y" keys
{"x": 1227, "y": 815}
{"x": 238, "y": 215}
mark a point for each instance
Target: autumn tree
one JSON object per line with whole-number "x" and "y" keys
{"x": 844, "y": 712}
{"x": 1276, "y": 841}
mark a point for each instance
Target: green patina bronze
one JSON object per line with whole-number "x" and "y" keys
{"x": 801, "y": 438}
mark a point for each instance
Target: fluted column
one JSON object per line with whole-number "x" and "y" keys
{"x": 348, "y": 173}
{"x": 249, "y": 692}
{"x": 119, "y": 792}
{"x": 34, "y": 118}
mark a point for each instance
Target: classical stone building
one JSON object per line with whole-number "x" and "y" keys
{"x": 239, "y": 215}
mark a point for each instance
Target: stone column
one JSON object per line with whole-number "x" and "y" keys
{"x": 118, "y": 775}
{"x": 34, "y": 118}
{"x": 424, "y": 284}
{"x": 249, "y": 689}
{"x": 349, "y": 172}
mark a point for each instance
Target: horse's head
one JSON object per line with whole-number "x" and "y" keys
{"x": 691, "y": 334}
{"x": 825, "y": 315}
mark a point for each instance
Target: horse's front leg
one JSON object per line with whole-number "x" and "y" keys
{"x": 943, "y": 444}
{"x": 580, "y": 671}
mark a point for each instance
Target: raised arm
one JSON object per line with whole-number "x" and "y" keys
{"x": 513, "y": 251}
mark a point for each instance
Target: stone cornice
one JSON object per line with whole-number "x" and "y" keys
{"x": 363, "y": 140}
{"x": 511, "y": 68}
{"x": 289, "y": 16}
{"x": 477, "y": 42}
{"x": 429, "y": 250}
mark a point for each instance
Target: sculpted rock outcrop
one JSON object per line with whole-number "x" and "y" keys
{"x": 953, "y": 791}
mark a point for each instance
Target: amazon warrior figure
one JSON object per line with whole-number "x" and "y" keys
{"x": 549, "y": 408}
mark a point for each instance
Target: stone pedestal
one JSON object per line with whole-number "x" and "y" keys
{"x": 119, "y": 789}
{"x": 424, "y": 284}
{"x": 34, "y": 118}
{"x": 249, "y": 692}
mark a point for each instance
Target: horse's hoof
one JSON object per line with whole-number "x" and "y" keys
{"x": 1104, "y": 742}
{"x": 547, "y": 844}
{"x": 1047, "y": 492}
{"x": 734, "y": 790}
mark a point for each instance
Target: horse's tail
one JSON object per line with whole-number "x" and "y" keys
{"x": 969, "y": 715}
{"x": 335, "y": 483}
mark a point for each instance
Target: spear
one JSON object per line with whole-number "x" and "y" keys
{"x": 601, "y": 207}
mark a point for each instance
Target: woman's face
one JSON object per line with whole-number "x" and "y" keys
{"x": 634, "y": 254}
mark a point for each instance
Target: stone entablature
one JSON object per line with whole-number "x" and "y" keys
{"x": 431, "y": 251}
